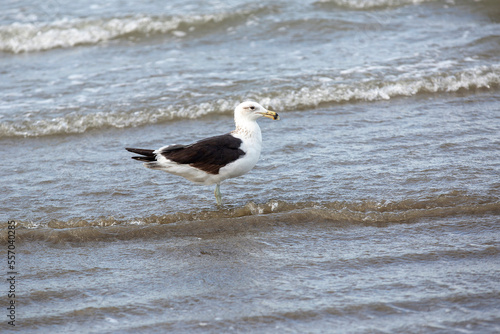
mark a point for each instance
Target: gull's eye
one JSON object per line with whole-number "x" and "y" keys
{"x": 252, "y": 107}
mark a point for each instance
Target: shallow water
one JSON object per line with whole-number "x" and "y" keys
{"x": 374, "y": 207}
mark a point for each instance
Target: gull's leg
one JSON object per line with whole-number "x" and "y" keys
{"x": 217, "y": 194}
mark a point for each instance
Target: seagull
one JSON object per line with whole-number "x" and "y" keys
{"x": 214, "y": 159}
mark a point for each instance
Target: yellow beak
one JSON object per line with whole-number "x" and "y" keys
{"x": 271, "y": 114}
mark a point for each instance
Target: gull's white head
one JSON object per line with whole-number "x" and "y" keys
{"x": 251, "y": 111}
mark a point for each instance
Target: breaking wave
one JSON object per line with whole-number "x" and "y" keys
{"x": 370, "y": 4}
{"x": 286, "y": 98}
{"x": 306, "y": 97}
{"x": 257, "y": 217}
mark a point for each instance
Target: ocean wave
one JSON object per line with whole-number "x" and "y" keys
{"x": 257, "y": 217}
{"x": 75, "y": 123}
{"x": 66, "y": 33}
{"x": 286, "y": 98}
{"x": 370, "y": 4}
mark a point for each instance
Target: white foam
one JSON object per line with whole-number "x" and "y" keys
{"x": 79, "y": 123}
{"x": 479, "y": 77}
{"x": 30, "y": 37}
{"x": 370, "y": 4}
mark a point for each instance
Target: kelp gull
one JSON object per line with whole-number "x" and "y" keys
{"x": 214, "y": 159}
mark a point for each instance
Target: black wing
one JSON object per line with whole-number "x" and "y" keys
{"x": 209, "y": 154}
